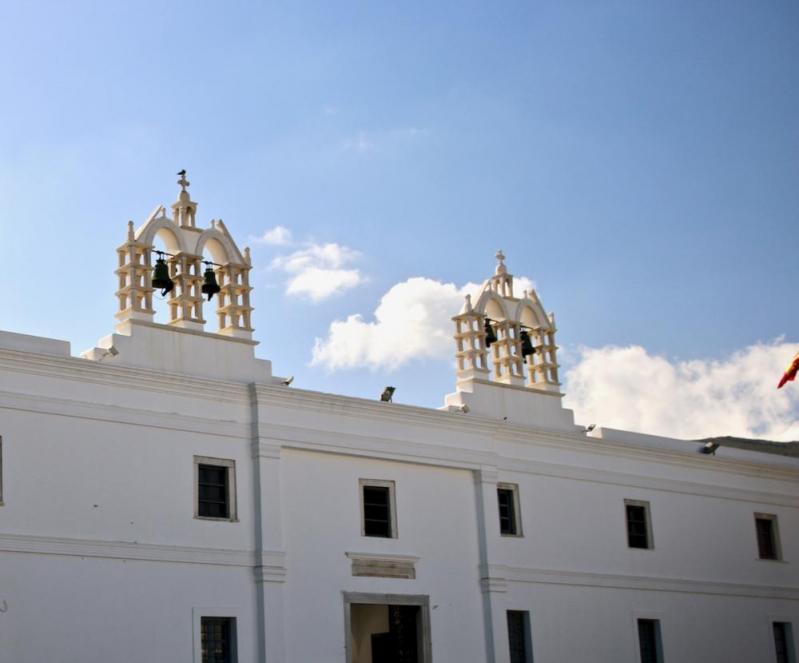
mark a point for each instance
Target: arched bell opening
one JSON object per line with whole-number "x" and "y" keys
{"x": 227, "y": 277}
{"x": 502, "y": 340}
{"x": 494, "y": 315}
{"x": 538, "y": 349}
{"x": 531, "y": 341}
{"x": 175, "y": 277}
{"x": 162, "y": 272}
{"x": 215, "y": 259}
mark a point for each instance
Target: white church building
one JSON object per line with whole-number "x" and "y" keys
{"x": 165, "y": 498}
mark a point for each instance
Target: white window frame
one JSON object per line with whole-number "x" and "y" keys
{"x": 1, "y": 471}
{"x": 775, "y": 533}
{"x": 650, "y": 539}
{"x": 197, "y": 615}
{"x": 392, "y": 510}
{"x": 517, "y": 509}
{"x": 230, "y": 465}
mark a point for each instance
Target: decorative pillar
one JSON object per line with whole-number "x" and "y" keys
{"x": 470, "y": 355}
{"x": 185, "y": 299}
{"x": 542, "y": 365}
{"x": 233, "y": 308}
{"x": 184, "y": 209}
{"x": 493, "y": 587}
{"x": 135, "y": 291}
{"x": 507, "y": 353}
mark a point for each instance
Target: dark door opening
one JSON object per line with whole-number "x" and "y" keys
{"x": 385, "y": 633}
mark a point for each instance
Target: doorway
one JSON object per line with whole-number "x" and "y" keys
{"x": 387, "y": 628}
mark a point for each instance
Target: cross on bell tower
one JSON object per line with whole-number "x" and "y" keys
{"x": 184, "y": 209}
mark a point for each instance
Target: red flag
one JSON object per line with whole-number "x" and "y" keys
{"x": 790, "y": 372}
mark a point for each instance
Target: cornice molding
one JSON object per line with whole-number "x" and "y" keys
{"x": 508, "y": 574}
{"x": 372, "y": 446}
{"x": 486, "y": 463}
{"x": 148, "y": 552}
{"x": 118, "y": 414}
{"x": 110, "y": 375}
{"x": 644, "y": 482}
{"x": 503, "y": 432}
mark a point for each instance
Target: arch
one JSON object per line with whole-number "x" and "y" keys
{"x": 531, "y": 314}
{"x": 164, "y": 228}
{"x": 489, "y": 303}
{"x": 222, "y": 249}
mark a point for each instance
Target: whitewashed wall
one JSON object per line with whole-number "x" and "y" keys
{"x": 121, "y": 580}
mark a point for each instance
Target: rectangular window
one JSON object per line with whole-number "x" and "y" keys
{"x": 519, "y": 639}
{"x": 508, "y": 500}
{"x": 378, "y": 515}
{"x": 215, "y": 488}
{"x": 218, "y": 639}
{"x": 649, "y": 641}
{"x": 783, "y": 642}
{"x": 639, "y": 530}
{"x": 1, "y": 470}
{"x": 767, "y": 536}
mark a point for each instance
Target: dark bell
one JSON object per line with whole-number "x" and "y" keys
{"x": 210, "y": 286}
{"x": 527, "y": 344}
{"x": 161, "y": 280}
{"x": 491, "y": 336}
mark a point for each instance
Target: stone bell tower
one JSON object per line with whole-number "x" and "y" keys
{"x": 506, "y": 356}
{"x": 188, "y": 248}
{"x": 196, "y": 263}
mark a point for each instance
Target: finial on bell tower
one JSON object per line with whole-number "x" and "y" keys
{"x": 502, "y": 282}
{"x": 501, "y": 269}
{"x": 183, "y": 181}
{"x": 184, "y": 209}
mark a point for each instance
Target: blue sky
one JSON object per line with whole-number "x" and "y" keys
{"x": 638, "y": 161}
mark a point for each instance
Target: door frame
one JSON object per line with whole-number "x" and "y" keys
{"x": 421, "y": 601}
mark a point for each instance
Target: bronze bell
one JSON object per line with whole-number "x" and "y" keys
{"x": 491, "y": 336}
{"x": 161, "y": 280}
{"x": 527, "y": 344}
{"x": 210, "y": 286}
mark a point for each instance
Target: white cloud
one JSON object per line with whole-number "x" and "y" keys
{"x": 627, "y": 388}
{"x": 412, "y": 321}
{"x": 318, "y": 283}
{"x": 319, "y": 270}
{"x": 277, "y": 236}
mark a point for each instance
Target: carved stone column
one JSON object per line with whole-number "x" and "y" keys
{"x": 470, "y": 355}
{"x": 507, "y": 353}
{"x": 135, "y": 291}
{"x": 185, "y": 299}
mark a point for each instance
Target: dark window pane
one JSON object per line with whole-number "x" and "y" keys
{"x": 216, "y": 637}
{"x": 648, "y": 640}
{"x": 781, "y": 640}
{"x": 637, "y": 529}
{"x": 507, "y": 511}
{"x": 376, "y": 511}
{"x": 517, "y": 636}
{"x": 765, "y": 538}
{"x": 212, "y": 491}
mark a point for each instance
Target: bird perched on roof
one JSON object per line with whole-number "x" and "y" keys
{"x": 182, "y": 173}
